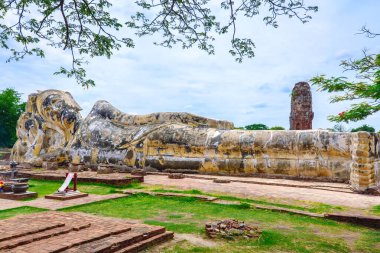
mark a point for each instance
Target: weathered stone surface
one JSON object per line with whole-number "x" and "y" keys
{"x": 301, "y": 112}
{"x": 52, "y": 130}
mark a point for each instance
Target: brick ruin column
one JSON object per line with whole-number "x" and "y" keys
{"x": 301, "y": 113}
{"x": 363, "y": 150}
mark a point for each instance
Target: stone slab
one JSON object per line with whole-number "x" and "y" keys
{"x": 67, "y": 196}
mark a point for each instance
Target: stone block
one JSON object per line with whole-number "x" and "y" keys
{"x": 176, "y": 176}
{"x": 363, "y": 135}
{"x": 362, "y": 159}
{"x": 138, "y": 172}
{"x": 76, "y": 167}
{"x": 24, "y": 166}
{"x": 362, "y": 166}
{"x": 357, "y": 152}
{"x": 50, "y": 165}
{"x": 105, "y": 169}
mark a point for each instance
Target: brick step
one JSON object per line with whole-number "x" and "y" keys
{"x": 27, "y": 239}
{"x": 117, "y": 242}
{"x": 77, "y": 232}
{"x": 147, "y": 243}
{"x": 26, "y": 229}
{"x": 66, "y": 241}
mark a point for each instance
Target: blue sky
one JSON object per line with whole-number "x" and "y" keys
{"x": 150, "y": 79}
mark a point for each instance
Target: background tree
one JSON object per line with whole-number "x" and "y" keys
{"x": 365, "y": 128}
{"x": 339, "y": 128}
{"x": 365, "y": 88}
{"x": 258, "y": 126}
{"x": 87, "y": 28}
{"x": 11, "y": 108}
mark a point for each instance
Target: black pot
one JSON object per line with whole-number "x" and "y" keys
{"x": 20, "y": 187}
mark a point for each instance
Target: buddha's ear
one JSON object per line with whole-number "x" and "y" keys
{"x": 31, "y": 104}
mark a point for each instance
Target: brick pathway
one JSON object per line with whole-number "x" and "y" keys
{"x": 329, "y": 193}
{"x": 76, "y": 232}
{"x": 57, "y": 204}
{"x": 7, "y": 204}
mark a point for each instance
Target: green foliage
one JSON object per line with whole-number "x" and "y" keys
{"x": 11, "y": 108}
{"x": 277, "y": 128}
{"x": 365, "y": 88}
{"x": 258, "y": 126}
{"x": 365, "y": 128}
{"x": 88, "y": 29}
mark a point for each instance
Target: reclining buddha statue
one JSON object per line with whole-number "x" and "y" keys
{"x": 52, "y": 130}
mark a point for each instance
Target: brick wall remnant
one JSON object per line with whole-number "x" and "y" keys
{"x": 301, "y": 112}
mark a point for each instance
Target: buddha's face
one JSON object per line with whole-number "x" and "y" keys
{"x": 26, "y": 127}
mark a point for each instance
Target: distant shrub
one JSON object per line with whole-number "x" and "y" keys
{"x": 257, "y": 127}
{"x": 277, "y": 128}
{"x": 365, "y": 128}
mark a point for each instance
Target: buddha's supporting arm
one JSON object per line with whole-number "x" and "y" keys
{"x": 106, "y": 110}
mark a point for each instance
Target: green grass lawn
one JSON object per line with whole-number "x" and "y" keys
{"x": 282, "y": 232}
{"x": 376, "y": 209}
{"x": 4, "y": 214}
{"x": 45, "y": 187}
{"x": 311, "y": 207}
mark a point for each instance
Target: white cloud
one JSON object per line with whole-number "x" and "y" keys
{"x": 148, "y": 78}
